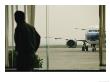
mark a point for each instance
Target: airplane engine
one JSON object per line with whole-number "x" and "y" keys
{"x": 71, "y": 43}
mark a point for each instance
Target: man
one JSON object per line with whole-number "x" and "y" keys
{"x": 27, "y": 42}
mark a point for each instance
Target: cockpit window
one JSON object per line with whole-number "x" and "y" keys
{"x": 90, "y": 30}
{"x": 93, "y": 37}
{"x": 93, "y": 30}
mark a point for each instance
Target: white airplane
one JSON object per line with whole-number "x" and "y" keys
{"x": 91, "y": 37}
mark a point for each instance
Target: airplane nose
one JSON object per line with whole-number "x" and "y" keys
{"x": 93, "y": 37}
{"x": 92, "y": 40}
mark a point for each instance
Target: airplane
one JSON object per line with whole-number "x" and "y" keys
{"x": 91, "y": 37}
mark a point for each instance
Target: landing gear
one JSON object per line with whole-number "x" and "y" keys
{"x": 84, "y": 47}
{"x": 93, "y": 47}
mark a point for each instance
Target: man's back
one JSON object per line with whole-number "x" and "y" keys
{"x": 26, "y": 38}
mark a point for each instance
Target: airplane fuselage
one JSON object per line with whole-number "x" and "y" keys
{"x": 92, "y": 37}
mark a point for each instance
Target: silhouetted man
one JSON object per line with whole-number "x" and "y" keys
{"x": 27, "y": 42}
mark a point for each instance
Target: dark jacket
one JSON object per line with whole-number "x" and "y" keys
{"x": 27, "y": 40}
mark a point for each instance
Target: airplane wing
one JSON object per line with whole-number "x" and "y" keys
{"x": 82, "y": 40}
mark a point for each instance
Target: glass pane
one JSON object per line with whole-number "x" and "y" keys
{"x": 21, "y": 7}
{"x": 11, "y": 30}
{"x": 10, "y": 27}
{"x": 69, "y": 36}
{"x": 68, "y": 26}
{"x": 40, "y": 26}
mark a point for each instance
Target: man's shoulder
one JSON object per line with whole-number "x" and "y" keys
{"x": 28, "y": 25}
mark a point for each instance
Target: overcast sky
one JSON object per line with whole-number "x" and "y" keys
{"x": 63, "y": 19}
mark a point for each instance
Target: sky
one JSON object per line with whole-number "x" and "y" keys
{"x": 63, "y": 19}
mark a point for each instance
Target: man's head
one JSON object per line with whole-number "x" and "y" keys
{"x": 19, "y": 16}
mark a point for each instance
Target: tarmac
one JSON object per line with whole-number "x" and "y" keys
{"x": 71, "y": 59}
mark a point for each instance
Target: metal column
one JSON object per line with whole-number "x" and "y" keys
{"x": 47, "y": 55}
{"x": 102, "y": 32}
{"x": 12, "y": 15}
{"x": 6, "y": 35}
